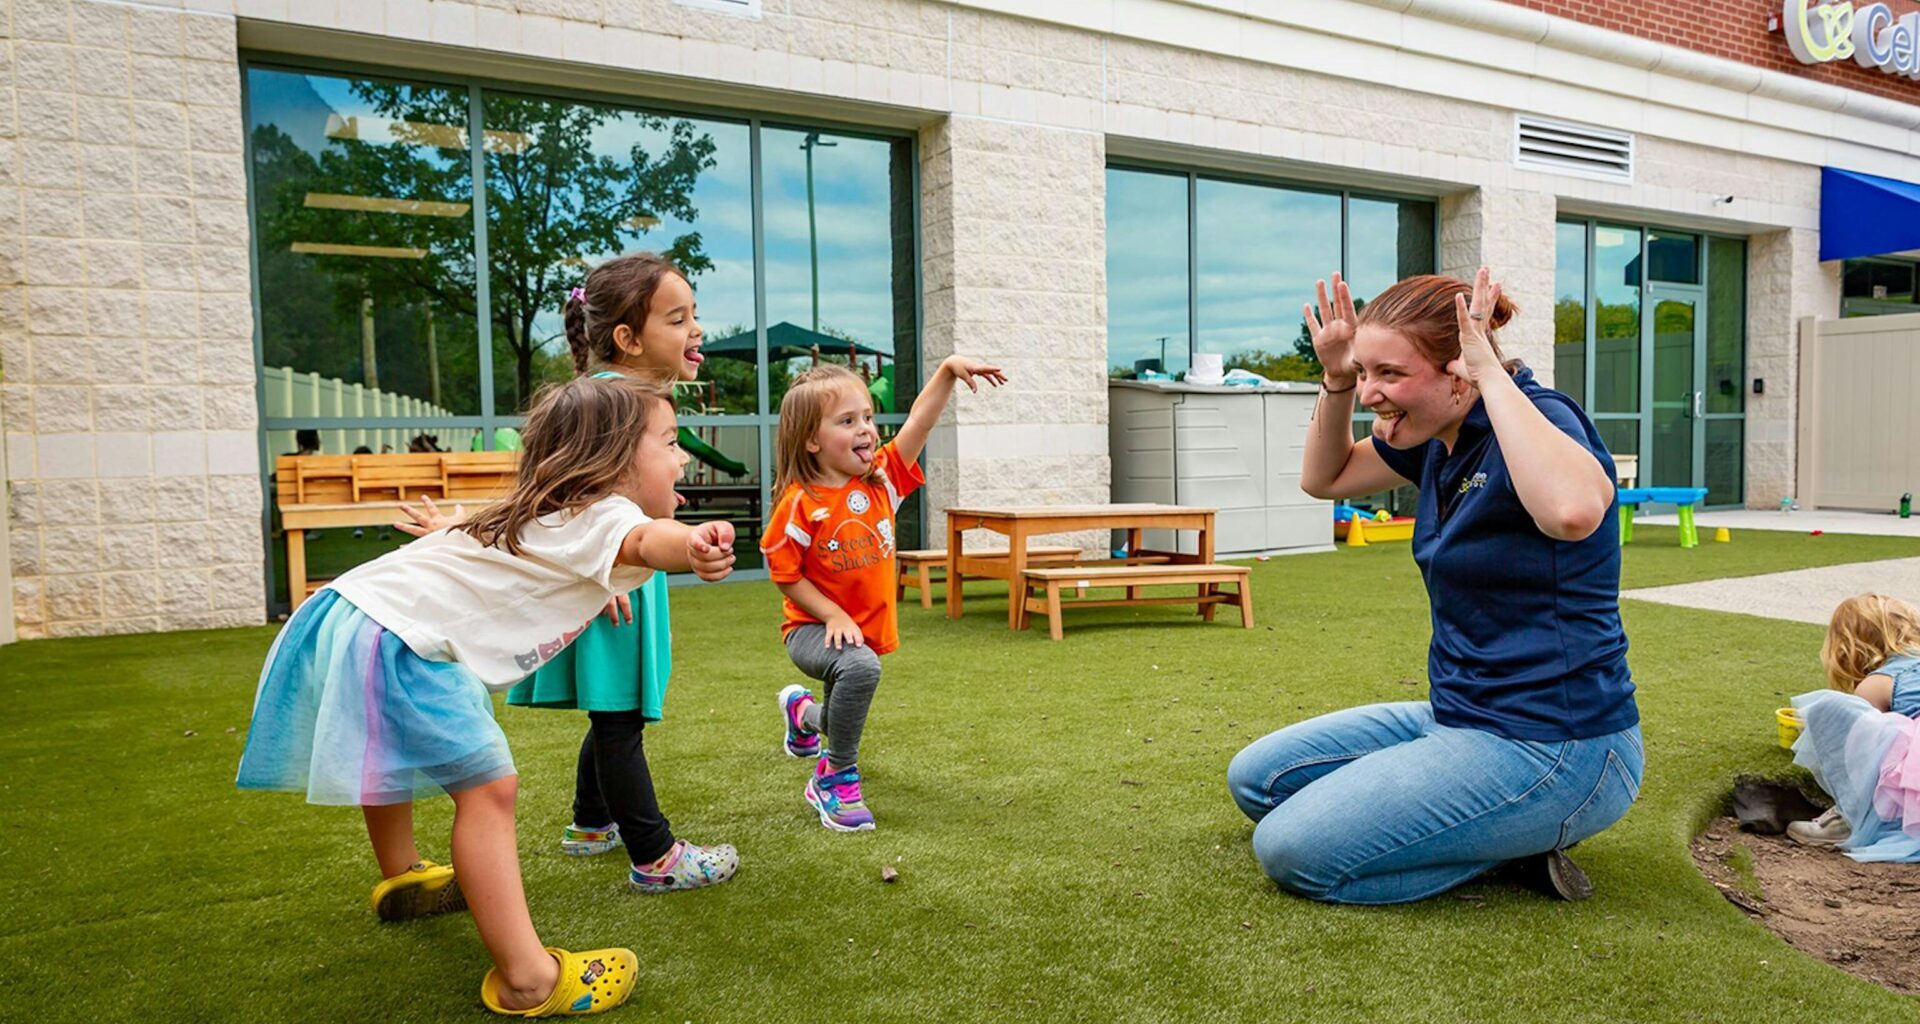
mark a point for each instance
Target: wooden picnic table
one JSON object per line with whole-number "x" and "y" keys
{"x": 1021, "y": 522}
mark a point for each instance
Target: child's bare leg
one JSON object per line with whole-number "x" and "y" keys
{"x": 487, "y": 858}
{"x": 390, "y": 828}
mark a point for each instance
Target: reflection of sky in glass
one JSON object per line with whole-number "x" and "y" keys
{"x": 1260, "y": 250}
{"x": 1616, "y": 279}
{"x": 1146, "y": 268}
{"x": 299, "y": 105}
{"x": 852, "y": 200}
{"x": 1570, "y": 263}
{"x": 724, "y": 205}
{"x": 1373, "y": 246}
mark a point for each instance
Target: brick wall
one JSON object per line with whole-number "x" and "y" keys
{"x": 1736, "y": 31}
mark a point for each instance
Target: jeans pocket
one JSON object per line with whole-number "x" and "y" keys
{"x": 1613, "y": 792}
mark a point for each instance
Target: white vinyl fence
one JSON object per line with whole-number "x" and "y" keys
{"x": 292, "y": 393}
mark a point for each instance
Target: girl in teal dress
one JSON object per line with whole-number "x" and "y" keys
{"x": 634, "y": 317}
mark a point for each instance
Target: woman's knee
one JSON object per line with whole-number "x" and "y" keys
{"x": 1296, "y": 859}
{"x": 1249, "y": 778}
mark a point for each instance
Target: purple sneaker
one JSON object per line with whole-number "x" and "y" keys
{"x": 801, "y": 741}
{"x": 836, "y": 795}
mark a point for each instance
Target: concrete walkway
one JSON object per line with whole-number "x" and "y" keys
{"x": 1803, "y": 595}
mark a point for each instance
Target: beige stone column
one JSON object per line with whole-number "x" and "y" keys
{"x": 126, "y": 325}
{"x": 1785, "y": 281}
{"x": 1014, "y": 265}
{"x": 1511, "y": 232}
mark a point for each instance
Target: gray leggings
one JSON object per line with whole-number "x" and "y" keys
{"x": 851, "y": 674}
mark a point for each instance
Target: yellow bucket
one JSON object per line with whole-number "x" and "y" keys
{"x": 1789, "y": 722}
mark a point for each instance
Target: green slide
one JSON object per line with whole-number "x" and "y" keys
{"x": 710, "y": 455}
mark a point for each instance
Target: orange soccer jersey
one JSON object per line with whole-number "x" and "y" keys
{"x": 841, "y": 540}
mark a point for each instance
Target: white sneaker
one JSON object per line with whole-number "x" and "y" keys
{"x": 1829, "y": 829}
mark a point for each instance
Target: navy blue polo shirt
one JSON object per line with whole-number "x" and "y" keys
{"x": 1527, "y": 641}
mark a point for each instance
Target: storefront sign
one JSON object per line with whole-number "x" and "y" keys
{"x": 1819, "y": 31}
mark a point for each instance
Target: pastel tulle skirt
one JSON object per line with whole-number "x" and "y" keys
{"x": 347, "y": 714}
{"x": 1869, "y": 761}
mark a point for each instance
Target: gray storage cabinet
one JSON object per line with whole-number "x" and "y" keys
{"x": 1237, "y": 449}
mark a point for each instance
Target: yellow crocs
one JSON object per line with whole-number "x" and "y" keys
{"x": 426, "y": 888}
{"x": 590, "y": 982}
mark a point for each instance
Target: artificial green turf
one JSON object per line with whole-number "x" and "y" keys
{"x": 1057, "y": 812}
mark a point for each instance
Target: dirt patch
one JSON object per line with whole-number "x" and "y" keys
{"x": 1862, "y": 918}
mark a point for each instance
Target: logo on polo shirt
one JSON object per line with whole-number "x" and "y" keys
{"x": 1471, "y": 482}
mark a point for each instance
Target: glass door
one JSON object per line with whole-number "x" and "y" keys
{"x": 1675, "y": 343}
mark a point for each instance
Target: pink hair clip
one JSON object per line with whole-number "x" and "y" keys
{"x": 577, "y": 293}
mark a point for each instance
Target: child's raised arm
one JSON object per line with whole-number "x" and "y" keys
{"x": 934, "y": 397}
{"x": 706, "y": 550}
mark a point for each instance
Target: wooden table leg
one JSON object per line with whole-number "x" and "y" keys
{"x": 1246, "y": 601}
{"x": 296, "y": 567}
{"x": 1053, "y": 609}
{"x": 1205, "y": 545}
{"x": 1016, "y": 573}
{"x": 953, "y": 567}
{"x": 926, "y": 584}
{"x": 1135, "y": 538}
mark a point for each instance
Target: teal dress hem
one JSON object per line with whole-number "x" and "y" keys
{"x": 610, "y": 667}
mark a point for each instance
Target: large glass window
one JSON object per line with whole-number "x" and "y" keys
{"x": 1257, "y": 249}
{"x": 1570, "y": 310}
{"x": 378, "y": 333}
{"x": 1876, "y": 287}
{"x": 1616, "y": 328}
{"x": 1147, "y": 295}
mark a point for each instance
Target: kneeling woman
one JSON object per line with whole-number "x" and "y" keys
{"x": 1530, "y": 741}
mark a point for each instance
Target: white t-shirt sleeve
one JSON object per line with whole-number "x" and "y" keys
{"x": 587, "y": 544}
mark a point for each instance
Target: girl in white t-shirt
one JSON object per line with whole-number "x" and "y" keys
{"x": 376, "y": 691}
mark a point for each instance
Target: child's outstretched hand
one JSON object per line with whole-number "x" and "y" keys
{"x": 710, "y": 549}
{"x": 965, "y": 370}
{"x": 428, "y": 519}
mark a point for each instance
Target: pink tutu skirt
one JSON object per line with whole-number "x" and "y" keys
{"x": 1869, "y": 761}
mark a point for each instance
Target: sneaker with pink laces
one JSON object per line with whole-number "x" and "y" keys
{"x": 801, "y": 741}
{"x": 836, "y": 795}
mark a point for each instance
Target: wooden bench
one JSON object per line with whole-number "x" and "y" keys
{"x": 1202, "y": 576}
{"x": 315, "y": 492}
{"x": 916, "y": 566}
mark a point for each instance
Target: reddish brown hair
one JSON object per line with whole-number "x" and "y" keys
{"x": 1421, "y": 309}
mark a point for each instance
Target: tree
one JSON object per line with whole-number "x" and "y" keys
{"x": 553, "y": 202}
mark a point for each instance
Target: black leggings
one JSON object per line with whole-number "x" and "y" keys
{"x": 613, "y": 785}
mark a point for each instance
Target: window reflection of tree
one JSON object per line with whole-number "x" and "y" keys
{"x": 554, "y": 203}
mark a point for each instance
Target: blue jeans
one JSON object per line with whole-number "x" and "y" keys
{"x": 1380, "y": 804}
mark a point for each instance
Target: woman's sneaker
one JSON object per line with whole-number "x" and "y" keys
{"x": 1829, "y": 829}
{"x": 801, "y": 741}
{"x": 589, "y": 842}
{"x": 686, "y": 866}
{"x": 836, "y": 795}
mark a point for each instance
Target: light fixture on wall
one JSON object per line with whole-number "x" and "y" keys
{"x": 1723, "y": 200}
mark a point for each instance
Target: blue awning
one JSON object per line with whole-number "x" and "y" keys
{"x": 1866, "y": 215}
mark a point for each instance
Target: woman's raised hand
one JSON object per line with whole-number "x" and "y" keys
{"x": 1331, "y": 325}
{"x": 1477, "y": 361}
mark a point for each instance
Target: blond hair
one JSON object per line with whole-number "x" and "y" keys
{"x": 1866, "y": 630}
{"x": 802, "y": 411}
{"x": 576, "y": 448}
